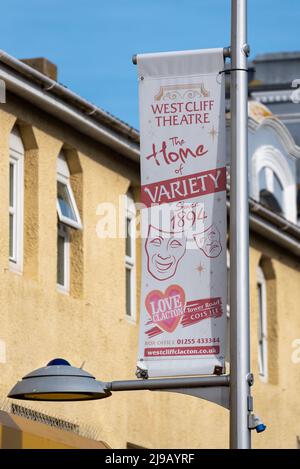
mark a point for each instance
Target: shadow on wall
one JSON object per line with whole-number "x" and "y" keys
{"x": 21, "y": 433}
{"x": 11, "y": 437}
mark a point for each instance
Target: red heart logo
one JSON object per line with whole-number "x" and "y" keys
{"x": 166, "y": 309}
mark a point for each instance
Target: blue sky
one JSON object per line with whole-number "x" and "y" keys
{"x": 92, "y": 41}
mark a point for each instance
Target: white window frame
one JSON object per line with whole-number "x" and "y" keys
{"x": 130, "y": 261}
{"x": 65, "y": 223}
{"x": 63, "y": 176}
{"x": 16, "y": 158}
{"x": 271, "y": 158}
{"x": 63, "y": 231}
{"x": 262, "y": 325}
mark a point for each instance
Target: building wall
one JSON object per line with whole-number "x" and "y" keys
{"x": 277, "y": 401}
{"x": 38, "y": 323}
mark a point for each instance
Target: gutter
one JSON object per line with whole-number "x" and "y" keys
{"x": 265, "y": 229}
{"x": 273, "y": 227}
{"x": 278, "y": 229}
{"x": 274, "y": 218}
{"x": 50, "y": 96}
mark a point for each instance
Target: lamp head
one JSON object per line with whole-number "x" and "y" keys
{"x": 59, "y": 381}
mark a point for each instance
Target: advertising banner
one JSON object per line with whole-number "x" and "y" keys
{"x": 183, "y": 192}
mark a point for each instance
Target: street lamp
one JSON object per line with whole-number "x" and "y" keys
{"x": 59, "y": 381}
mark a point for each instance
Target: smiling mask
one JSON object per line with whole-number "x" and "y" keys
{"x": 164, "y": 251}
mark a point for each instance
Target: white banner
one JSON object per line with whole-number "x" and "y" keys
{"x": 183, "y": 177}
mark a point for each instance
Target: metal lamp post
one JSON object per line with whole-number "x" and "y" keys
{"x": 240, "y": 400}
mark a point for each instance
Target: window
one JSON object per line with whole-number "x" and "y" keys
{"x": 130, "y": 257}
{"x": 68, "y": 218}
{"x": 273, "y": 181}
{"x": 271, "y": 190}
{"x": 63, "y": 257}
{"x": 16, "y": 200}
{"x": 66, "y": 206}
{"x": 262, "y": 325}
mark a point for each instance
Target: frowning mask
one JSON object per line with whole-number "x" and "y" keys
{"x": 164, "y": 251}
{"x": 209, "y": 241}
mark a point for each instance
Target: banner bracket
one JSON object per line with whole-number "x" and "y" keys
{"x": 226, "y": 53}
{"x": 218, "y": 394}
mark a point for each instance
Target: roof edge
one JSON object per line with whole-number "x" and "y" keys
{"x": 53, "y": 87}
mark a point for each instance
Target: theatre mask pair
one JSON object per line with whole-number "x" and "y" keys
{"x": 166, "y": 249}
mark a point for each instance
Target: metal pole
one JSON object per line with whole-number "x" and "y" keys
{"x": 239, "y": 232}
{"x": 169, "y": 383}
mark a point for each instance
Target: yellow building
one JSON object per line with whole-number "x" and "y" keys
{"x": 70, "y": 280}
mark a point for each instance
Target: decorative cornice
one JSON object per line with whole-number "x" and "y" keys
{"x": 281, "y": 130}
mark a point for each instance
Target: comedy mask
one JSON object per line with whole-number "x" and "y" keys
{"x": 164, "y": 251}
